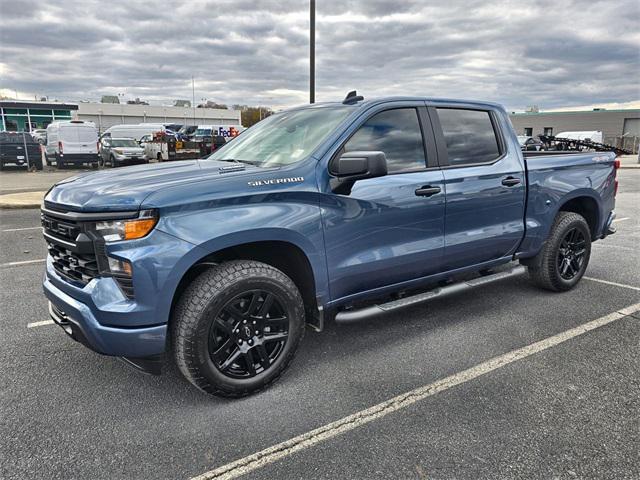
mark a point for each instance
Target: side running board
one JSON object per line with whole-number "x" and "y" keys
{"x": 354, "y": 315}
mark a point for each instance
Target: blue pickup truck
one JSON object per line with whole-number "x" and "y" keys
{"x": 336, "y": 211}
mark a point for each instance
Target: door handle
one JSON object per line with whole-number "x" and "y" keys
{"x": 510, "y": 181}
{"x": 427, "y": 191}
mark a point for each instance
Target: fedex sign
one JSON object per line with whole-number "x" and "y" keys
{"x": 226, "y": 132}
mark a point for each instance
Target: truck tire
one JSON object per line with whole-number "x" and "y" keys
{"x": 561, "y": 263}
{"x": 236, "y": 328}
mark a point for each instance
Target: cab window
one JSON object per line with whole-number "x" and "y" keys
{"x": 395, "y": 132}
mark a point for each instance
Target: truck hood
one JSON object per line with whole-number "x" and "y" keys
{"x": 126, "y": 188}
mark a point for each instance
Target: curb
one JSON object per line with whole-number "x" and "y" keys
{"x": 13, "y": 201}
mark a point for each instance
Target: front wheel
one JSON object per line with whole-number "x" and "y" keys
{"x": 237, "y": 327}
{"x": 564, "y": 258}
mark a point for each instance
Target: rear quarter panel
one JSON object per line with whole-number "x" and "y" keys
{"x": 554, "y": 180}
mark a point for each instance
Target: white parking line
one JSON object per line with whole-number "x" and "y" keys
{"x": 607, "y": 282}
{"x": 21, "y": 229}
{"x": 25, "y": 262}
{"x": 621, "y": 219}
{"x": 289, "y": 447}
{"x": 40, "y": 324}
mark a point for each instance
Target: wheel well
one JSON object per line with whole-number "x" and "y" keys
{"x": 588, "y": 208}
{"x": 284, "y": 256}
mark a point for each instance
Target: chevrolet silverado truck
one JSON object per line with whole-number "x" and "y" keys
{"x": 336, "y": 211}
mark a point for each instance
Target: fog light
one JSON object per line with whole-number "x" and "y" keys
{"x": 119, "y": 266}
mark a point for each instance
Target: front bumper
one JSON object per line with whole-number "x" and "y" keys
{"x": 79, "y": 158}
{"x": 79, "y": 321}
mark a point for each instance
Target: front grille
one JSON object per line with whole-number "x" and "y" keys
{"x": 75, "y": 267}
{"x": 77, "y": 258}
{"x": 64, "y": 229}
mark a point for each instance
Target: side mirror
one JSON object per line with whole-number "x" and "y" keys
{"x": 352, "y": 166}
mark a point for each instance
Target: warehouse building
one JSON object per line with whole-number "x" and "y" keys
{"x": 619, "y": 127}
{"x": 24, "y": 116}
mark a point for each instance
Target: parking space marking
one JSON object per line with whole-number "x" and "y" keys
{"x": 40, "y": 324}
{"x": 25, "y": 262}
{"x": 607, "y": 282}
{"x": 617, "y": 247}
{"x": 21, "y": 229}
{"x": 289, "y": 447}
{"x": 621, "y": 219}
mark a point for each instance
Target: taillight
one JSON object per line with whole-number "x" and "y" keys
{"x": 60, "y": 148}
{"x": 616, "y": 167}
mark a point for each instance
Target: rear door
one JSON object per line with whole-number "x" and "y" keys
{"x": 485, "y": 185}
{"x": 79, "y": 139}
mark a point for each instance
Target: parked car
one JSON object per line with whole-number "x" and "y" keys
{"x": 40, "y": 135}
{"x": 530, "y": 143}
{"x": 343, "y": 211}
{"x": 73, "y": 142}
{"x": 187, "y": 131}
{"x": 20, "y": 149}
{"x": 117, "y": 152}
{"x": 174, "y": 127}
{"x": 135, "y": 131}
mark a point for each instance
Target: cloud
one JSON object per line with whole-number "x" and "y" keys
{"x": 551, "y": 53}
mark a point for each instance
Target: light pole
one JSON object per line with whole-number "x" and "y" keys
{"x": 312, "y": 51}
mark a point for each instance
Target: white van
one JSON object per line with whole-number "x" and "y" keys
{"x": 135, "y": 131}
{"x": 72, "y": 142}
{"x": 592, "y": 135}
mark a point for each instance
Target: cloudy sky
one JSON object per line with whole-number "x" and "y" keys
{"x": 555, "y": 54}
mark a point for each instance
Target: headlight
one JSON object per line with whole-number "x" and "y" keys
{"x": 115, "y": 230}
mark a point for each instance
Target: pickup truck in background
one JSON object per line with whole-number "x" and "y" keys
{"x": 340, "y": 211}
{"x": 19, "y": 149}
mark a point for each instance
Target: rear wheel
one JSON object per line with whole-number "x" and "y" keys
{"x": 237, "y": 327}
{"x": 564, "y": 258}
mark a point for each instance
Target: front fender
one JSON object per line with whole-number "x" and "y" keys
{"x": 211, "y": 231}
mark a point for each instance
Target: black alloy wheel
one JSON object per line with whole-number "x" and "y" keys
{"x": 571, "y": 254}
{"x": 248, "y": 334}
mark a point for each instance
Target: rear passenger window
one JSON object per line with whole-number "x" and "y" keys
{"x": 396, "y": 133}
{"x": 469, "y": 135}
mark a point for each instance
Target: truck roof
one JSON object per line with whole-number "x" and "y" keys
{"x": 367, "y": 103}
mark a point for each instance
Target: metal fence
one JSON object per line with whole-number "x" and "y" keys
{"x": 628, "y": 142}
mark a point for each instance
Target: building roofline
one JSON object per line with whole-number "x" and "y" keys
{"x": 576, "y": 112}
{"x": 32, "y": 104}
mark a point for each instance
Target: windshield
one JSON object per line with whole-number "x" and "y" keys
{"x": 203, "y": 132}
{"x": 283, "y": 138}
{"x": 124, "y": 143}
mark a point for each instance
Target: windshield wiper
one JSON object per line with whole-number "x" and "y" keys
{"x": 235, "y": 160}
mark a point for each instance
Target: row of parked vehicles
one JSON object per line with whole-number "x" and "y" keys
{"x": 78, "y": 142}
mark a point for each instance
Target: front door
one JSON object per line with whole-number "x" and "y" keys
{"x": 390, "y": 229}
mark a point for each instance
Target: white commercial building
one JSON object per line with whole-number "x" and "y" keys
{"x": 105, "y": 115}
{"x": 24, "y": 115}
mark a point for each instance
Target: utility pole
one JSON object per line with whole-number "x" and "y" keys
{"x": 193, "y": 98}
{"x": 312, "y": 51}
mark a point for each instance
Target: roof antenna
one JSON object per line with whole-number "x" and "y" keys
{"x": 352, "y": 97}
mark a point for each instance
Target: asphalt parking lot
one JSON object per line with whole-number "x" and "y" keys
{"x": 564, "y": 410}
